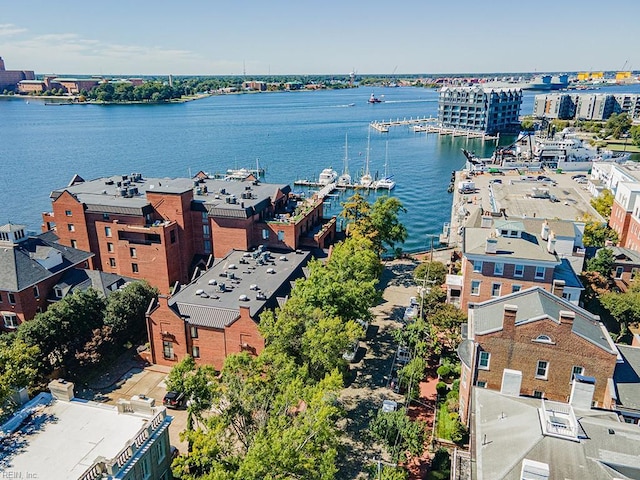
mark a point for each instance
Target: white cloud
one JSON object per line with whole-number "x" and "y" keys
{"x": 8, "y": 29}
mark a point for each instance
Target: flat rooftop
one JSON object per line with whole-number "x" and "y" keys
{"x": 60, "y": 440}
{"x": 241, "y": 279}
{"x": 516, "y": 195}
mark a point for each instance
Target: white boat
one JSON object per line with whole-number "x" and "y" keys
{"x": 345, "y": 178}
{"x": 327, "y": 176}
{"x": 367, "y": 180}
{"x": 387, "y": 181}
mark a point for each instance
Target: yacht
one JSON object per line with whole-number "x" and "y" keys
{"x": 345, "y": 179}
{"x": 387, "y": 181}
{"x": 327, "y": 176}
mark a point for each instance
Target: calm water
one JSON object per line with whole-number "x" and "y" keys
{"x": 295, "y": 135}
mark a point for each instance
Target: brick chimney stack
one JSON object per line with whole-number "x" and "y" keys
{"x": 509, "y": 319}
{"x": 567, "y": 317}
{"x": 558, "y": 288}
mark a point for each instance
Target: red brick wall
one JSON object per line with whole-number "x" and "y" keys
{"x": 632, "y": 239}
{"x": 229, "y": 234}
{"x": 487, "y": 279}
{"x": 163, "y": 319}
{"x": 513, "y": 348}
{"x": 619, "y": 221}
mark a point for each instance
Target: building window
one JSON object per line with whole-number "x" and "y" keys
{"x": 481, "y": 384}
{"x": 518, "y": 271}
{"x": 542, "y": 369}
{"x": 107, "y": 231}
{"x": 538, "y": 394}
{"x": 515, "y": 288}
{"x": 475, "y": 287}
{"x": 58, "y": 292}
{"x": 0, "y": 298}
{"x": 498, "y": 268}
{"x": 134, "y": 268}
{"x": 265, "y": 234}
{"x": 495, "y": 289}
{"x": 477, "y": 266}
{"x": 160, "y": 450}
{"x": 207, "y": 246}
{"x": 105, "y": 216}
{"x": 576, "y": 370}
{"x": 167, "y": 350}
{"x": 172, "y": 236}
{"x": 544, "y": 339}
{"x": 132, "y": 252}
{"x": 195, "y": 351}
{"x": 10, "y": 320}
{"x": 67, "y": 213}
{"x": 194, "y": 332}
{"x": 74, "y": 244}
{"x": 112, "y": 262}
{"x": 619, "y": 271}
{"x": 281, "y": 235}
{"x": 71, "y": 227}
{"x": 144, "y": 466}
{"x": 484, "y": 360}
{"x": 540, "y": 273}
{"x": 205, "y": 217}
{"x": 109, "y": 247}
{"x": 12, "y": 298}
{"x": 205, "y": 230}
{"x": 36, "y": 292}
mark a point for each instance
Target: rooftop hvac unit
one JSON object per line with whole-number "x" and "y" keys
{"x": 260, "y": 296}
{"x": 204, "y": 295}
{"x": 232, "y": 266}
{"x": 283, "y": 258}
{"x": 231, "y": 275}
{"x": 253, "y": 287}
{"x": 243, "y": 298}
{"x": 221, "y": 287}
{"x": 213, "y": 282}
{"x": 199, "y": 291}
{"x": 223, "y": 191}
{"x": 271, "y": 270}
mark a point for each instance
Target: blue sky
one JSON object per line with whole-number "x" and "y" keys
{"x": 326, "y": 36}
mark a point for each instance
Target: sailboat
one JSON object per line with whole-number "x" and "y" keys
{"x": 366, "y": 180}
{"x": 387, "y": 181}
{"x": 345, "y": 179}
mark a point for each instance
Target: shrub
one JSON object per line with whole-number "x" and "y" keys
{"x": 444, "y": 370}
{"x": 442, "y": 388}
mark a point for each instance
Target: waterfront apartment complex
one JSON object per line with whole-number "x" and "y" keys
{"x": 479, "y": 109}
{"x": 58, "y": 437}
{"x": 162, "y": 229}
{"x": 585, "y": 106}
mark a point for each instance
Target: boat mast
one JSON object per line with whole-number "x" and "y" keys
{"x": 346, "y": 155}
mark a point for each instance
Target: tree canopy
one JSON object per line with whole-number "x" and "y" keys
{"x": 602, "y": 262}
{"x": 603, "y": 203}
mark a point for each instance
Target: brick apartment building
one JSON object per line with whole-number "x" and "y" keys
{"x": 161, "y": 229}
{"x": 217, "y": 314}
{"x": 535, "y": 343}
{"x": 504, "y": 255}
{"x": 625, "y": 215}
{"x": 30, "y": 270}
{"x": 9, "y": 78}
{"x": 626, "y": 266}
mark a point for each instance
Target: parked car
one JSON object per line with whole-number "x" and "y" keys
{"x": 495, "y": 180}
{"x": 174, "y": 400}
{"x": 413, "y": 302}
{"x": 403, "y": 356}
{"x": 389, "y": 406}
{"x": 350, "y": 354}
{"x": 580, "y": 175}
{"x": 581, "y": 180}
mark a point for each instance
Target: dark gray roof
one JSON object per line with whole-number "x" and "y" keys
{"x": 220, "y": 198}
{"x": 536, "y": 303}
{"x": 625, "y": 255}
{"x": 19, "y": 266}
{"x": 626, "y": 377}
{"x": 564, "y": 271}
{"x": 78, "y": 279}
{"x": 507, "y": 430}
{"x": 528, "y": 247}
{"x": 204, "y": 303}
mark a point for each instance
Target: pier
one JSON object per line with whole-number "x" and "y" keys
{"x": 327, "y": 189}
{"x": 429, "y": 125}
{"x": 384, "y": 125}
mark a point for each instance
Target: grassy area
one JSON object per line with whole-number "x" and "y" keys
{"x": 619, "y": 146}
{"x": 446, "y": 425}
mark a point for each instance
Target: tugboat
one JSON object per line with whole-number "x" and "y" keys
{"x": 374, "y": 99}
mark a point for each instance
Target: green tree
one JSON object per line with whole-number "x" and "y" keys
{"x": 398, "y": 433}
{"x": 617, "y": 125}
{"x": 603, "y": 203}
{"x": 635, "y": 135}
{"x": 126, "y": 310}
{"x": 436, "y": 273}
{"x": 597, "y": 234}
{"x": 602, "y": 262}
{"x": 386, "y": 223}
{"x": 624, "y": 307}
{"x": 527, "y": 124}
{"x": 18, "y": 366}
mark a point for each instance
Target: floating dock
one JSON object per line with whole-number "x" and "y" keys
{"x": 384, "y": 125}
{"x": 327, "y": 189}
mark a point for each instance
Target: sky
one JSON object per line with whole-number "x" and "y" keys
{"x": 278, "y": 37}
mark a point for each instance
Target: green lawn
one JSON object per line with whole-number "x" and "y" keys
{"x": 446, "y": 426}
{"x": 619, "y": 146}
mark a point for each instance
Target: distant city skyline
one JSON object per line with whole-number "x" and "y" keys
{"x": 332, "y": 37}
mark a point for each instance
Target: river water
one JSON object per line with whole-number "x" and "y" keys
{"x": 293, "y": 134}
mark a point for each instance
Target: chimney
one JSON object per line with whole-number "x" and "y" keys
{"x": 551, "y": 244}
{"x": 558, "y": 288}
{"x": 544, "y": 233}
{"x": 566, "y": 317}
{"x": 486, "y": 221}
{"x": 509, "y": 319}
{"x": 492, "y": 245}
{"x": 61, "y": 390}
